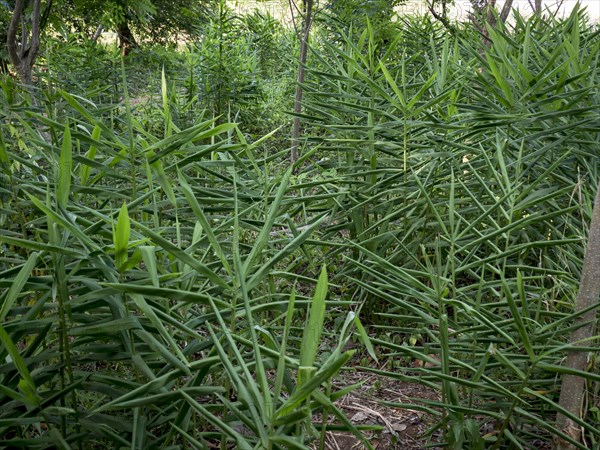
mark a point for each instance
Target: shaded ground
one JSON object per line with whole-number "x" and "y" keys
{"x": 402, "y": 428}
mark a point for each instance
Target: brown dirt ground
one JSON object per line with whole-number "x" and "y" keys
{"x": 402, "y": 428}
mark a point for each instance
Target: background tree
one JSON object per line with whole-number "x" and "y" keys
{"x": 157, "y": 21}
{"x": 175, "y": 19}
{"x": 305, "y": 11}
{"x": 119, "y": 15}
{"x": 354, "y": 14}
{"x": 5, "y": 14}
{"x": 483, "y": 13}
{"x": 536, "y": 6}
{"x": 23, "y": 36}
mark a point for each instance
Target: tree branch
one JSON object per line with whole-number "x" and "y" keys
{"x": 293, "y": 7}
{"x": 443, "y": 18}
{"x": 46, "y": 14}
{"x": 22, "y": 55}
{"x": 11, "y": 36}
{"x": 98, "y": 33}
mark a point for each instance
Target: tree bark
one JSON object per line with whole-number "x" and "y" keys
{"x": 573, "y": 386}
{"x": 127, "y": 41}
{"x": 306, "y": 24}
{"x": 22, "y": 54}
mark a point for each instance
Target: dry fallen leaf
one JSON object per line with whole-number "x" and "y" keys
{"x": 399, "y": 426}
{"x": 359, "y": 417}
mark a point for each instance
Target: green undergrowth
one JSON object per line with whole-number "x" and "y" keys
{"x": 168, "y": 281}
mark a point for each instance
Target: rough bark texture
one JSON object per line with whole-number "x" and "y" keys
{"x": 573, "y": 386}
{"x": 306, "y": 24}
{"x": 22, "y": 54}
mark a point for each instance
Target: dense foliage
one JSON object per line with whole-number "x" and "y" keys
{"x": 469, "y": 182}
{"x": 356, "y": 14}
{"x": 4, "y": 21}
{"x": 169, "y": 282}
{"x": 157, "y": 21}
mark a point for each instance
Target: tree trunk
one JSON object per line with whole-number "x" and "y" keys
{"x": 22, "y": 54}
{"x": 506, "y": 9}
{"x": 573, "y": 386}
{"x": 127, "y": 41}
{"x": 97, "y": 33}
{"x": 484, "y": 13}
{"x": 306, "y": 24}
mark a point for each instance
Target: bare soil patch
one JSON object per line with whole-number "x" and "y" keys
{"x": 402, "y": 428}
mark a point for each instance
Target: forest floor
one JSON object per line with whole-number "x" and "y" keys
{"x": 402, "y": 428}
